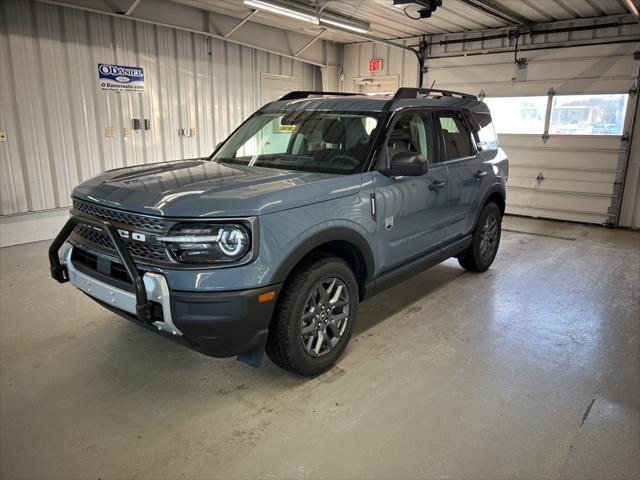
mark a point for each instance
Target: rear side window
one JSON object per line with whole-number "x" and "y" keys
{"x": 455, "y": 135}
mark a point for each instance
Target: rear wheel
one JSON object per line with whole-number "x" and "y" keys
{"x": 314, "y": 317}
{"x": 486, "y": 239}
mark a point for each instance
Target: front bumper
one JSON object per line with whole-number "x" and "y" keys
{"x": 220, "y": 324}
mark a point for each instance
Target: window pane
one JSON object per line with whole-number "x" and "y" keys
{"x": 447, "y": 123}
{"x": 329, "y": 142}
{"x": 518, "y": 114}
{"x": 457, "y": 138}
{"x": 588, "y": 114}
{"x": 486, "y": 134}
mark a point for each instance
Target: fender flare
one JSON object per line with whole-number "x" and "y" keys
{"x": 495, "y": 188}
{"x": 329, "y": 235}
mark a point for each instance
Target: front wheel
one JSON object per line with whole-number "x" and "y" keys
{"x": 314, "y": 318}
{"x": 486, "y": 239}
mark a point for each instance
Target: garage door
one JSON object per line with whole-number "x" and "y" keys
{"x": 571, "y": 174}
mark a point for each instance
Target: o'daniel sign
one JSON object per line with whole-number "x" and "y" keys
{"x": 120, "y": 78}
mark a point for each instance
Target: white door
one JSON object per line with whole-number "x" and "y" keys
{"x": 276, "y": 86}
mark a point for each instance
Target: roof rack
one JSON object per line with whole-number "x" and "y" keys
{"x": 412, "y": 93}
{"x": 306, "y": 94}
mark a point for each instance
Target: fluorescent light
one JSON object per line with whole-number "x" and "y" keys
{"x": 344, "y": 25}
{"x": 338, "y": 21}
{"x": 282, "y": 9}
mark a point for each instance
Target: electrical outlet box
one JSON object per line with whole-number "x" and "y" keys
{"x": 3, "y": 136}
{"x": 147, "y": 124}
{"x": 126, "y": 132}
{"x": 186, "y": 132}
{"x": 193, "y": 132}
{"x": 136, "y": 123}
{"x": 108, "y": 132}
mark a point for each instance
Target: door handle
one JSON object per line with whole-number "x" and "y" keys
{"x": 479, "y": 174}
{"x": 437, "y": 185}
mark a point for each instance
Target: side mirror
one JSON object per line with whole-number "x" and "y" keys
{"x": 407, "y": 164}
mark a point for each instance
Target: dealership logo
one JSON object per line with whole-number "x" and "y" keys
{"x": 120, "y": 73}
{"x": 120, "y": 78}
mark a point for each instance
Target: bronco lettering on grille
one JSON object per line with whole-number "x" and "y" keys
{"x": 139, "y": 237}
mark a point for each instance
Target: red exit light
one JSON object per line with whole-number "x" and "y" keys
{"x": 375, "y": 65}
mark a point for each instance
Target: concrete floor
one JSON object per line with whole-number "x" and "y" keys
{"x": 531, "y": 370}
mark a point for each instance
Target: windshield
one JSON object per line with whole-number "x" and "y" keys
{"x": 327, "y": 142}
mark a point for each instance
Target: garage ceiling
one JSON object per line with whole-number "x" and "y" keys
{"x": 390, "y": 22}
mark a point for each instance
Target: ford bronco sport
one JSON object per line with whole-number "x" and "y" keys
{"x": 317, "y": 201}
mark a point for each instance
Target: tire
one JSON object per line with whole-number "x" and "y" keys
{"x": 477, "y": 258}
{"x": 306, "y": 345}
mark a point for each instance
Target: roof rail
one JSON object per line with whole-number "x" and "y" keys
{"x": 307, "y": 93}
{"x": 412, "y": 93}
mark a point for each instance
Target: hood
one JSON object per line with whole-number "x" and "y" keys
{"x": 202, "y": 188}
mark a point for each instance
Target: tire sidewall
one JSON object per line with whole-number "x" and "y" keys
{"x": 335, "y": 268}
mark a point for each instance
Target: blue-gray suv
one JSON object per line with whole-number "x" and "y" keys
{"x": 316, "y": 202}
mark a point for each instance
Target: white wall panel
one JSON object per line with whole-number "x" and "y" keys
{"x": 55, "y": 115}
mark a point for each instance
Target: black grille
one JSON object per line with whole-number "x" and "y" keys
{"x": 114, "y": 272}
{"x": 140, "y": 221}
{"x": 136, "y": 249}
{"x": 93, "y": 237}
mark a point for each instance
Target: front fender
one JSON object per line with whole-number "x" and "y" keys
{"x": 323, "y": 235}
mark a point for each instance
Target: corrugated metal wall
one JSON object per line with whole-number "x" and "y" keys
{"x": 55, "y": 115}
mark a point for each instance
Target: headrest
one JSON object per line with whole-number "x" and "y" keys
{"x": 333, "y": 131}
{"x": 400, "y": 133}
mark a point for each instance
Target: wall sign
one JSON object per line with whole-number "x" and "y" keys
{"x": 120, "y": 78}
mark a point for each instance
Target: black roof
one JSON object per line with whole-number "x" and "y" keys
{"x": 352, "y": 102}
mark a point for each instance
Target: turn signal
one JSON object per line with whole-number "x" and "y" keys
{"x": 266, "y": 297}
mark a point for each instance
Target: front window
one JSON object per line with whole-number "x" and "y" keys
{"x": 327, "y": 142}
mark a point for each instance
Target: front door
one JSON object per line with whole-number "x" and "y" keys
{"x": 410, "y": 211}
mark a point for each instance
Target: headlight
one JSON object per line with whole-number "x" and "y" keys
{"x": 198, "y": 243}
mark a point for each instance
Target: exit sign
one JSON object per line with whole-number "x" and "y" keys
{"x": 375, "y": 65}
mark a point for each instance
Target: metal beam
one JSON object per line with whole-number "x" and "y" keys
{"x": 633, "y": 9}
{"x": 132, "y": 7}
{"x": 183, "y": 29}
{"x": 309, "y": 43}
{"x": 241, "y": 23}
{"x": 491, "y": 8}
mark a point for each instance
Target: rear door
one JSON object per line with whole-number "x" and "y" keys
{"x": 465, "y": 168}
{"x": 411, "y": 211}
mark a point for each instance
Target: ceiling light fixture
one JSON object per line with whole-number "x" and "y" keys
{"x": 345, "y": 24}
{"x": 285, "y": 9}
